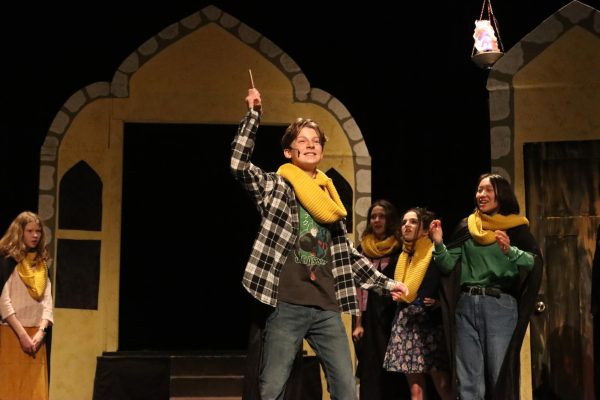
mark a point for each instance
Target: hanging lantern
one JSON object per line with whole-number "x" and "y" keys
{"x": 487, "y": 48}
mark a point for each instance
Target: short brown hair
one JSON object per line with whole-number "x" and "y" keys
{"x": 292, "y": 131}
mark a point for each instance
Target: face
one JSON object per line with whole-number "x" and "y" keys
{"x": 411, "y": 230}
{"x": 486, "y": 197}
{"x": 32, "y": 234}
{"x": 378, "y": 221}
{"x": 306, "y": 151}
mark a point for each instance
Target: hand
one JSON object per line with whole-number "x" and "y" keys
{"x": 400, "y": 289}
{"x": 428, "y": 301}
{"x": 435, "y": 231}
{"x": 396, "y": 296}
{"x": 503, "y": 241}
{"x": 37, "y": 339}
{"x": 358, "y": 333}
{"x": 253, "y": 99}
{"x": 27, "y": 344}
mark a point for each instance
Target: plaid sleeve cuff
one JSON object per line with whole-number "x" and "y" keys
{"x": 390, "y": 285}
{"x": 252, "y": 113}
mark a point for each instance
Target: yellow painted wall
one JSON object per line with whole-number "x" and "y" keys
{"x": 557, "y": 96}
{"x": 79, "y": 336}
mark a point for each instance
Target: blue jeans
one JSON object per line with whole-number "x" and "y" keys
{"x": 484, "y": 326}
{"x": 324, "y": 331}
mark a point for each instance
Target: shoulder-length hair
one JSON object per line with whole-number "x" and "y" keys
{"x": 392, "y": 219}
{"x": 505, "y": 196}
{"x": 12, "y": 243}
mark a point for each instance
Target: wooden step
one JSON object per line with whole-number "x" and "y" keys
{"x": 200, "y": 365}
{"x": 207, "y": 386}
{"x": 204, "y": 376}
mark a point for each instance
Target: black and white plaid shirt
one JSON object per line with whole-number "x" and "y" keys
{"x": 276, "y": 201}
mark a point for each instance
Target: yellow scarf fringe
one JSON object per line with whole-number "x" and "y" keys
{"x": 482, "y": 226}
{"x": 317, "y": 195}
{"x": 411, "y": 269}
{"x": 374, "y": 248}
{"x": 34, "y": 275}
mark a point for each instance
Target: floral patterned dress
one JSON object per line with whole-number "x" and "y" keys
{"x": 416, "y": 342}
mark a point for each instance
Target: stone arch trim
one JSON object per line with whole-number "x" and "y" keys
{"x": 119, "y": 88}
{"x": 48, "y": 184}
{"x": 500, "y": 81}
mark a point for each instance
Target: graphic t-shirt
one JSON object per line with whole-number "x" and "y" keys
{"x": 306, "y": 277}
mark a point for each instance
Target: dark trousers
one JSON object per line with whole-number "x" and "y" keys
{"x": 304, "y": 382}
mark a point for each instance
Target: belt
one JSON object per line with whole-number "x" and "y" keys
{"x": 482, "y": 291}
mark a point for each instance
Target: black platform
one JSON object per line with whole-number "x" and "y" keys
{"x": 190, "y": 376}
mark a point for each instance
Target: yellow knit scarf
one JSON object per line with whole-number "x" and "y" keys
{"x": 412, "y": 265}
{"x": 318, "y": 195}
{"x": 374, "y": 248}
{"x": 34, "y": 275}
{"x": 482, "y": 226}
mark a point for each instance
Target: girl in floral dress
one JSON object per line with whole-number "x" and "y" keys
{"x": 416, "y": 345}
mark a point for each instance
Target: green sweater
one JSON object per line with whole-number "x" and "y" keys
{"x": 484, "y": 265}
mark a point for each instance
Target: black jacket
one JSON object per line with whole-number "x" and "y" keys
{"x": 7, "y": 266}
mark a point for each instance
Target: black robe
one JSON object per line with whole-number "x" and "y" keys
{"x": 7, "y": 266}
{"x": 375, "y": 382}
{"x": 507, "y": 386}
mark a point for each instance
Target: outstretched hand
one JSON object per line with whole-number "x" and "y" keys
{"x": 399, "y": 290}
{"x": 396, "y": 296}
{"x": 253, "y": 99}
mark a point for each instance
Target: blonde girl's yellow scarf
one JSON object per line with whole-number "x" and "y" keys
{"x": 317, "y": 195}
{"x": 482, "y": 226}
{"x": 34, "y": 275}
{"x": 374, "y": 248}
{"x": 412, "y": 266}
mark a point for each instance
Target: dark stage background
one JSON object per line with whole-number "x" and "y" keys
{"x": 370, "y": 56}
{"x": 402, "y": 69}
